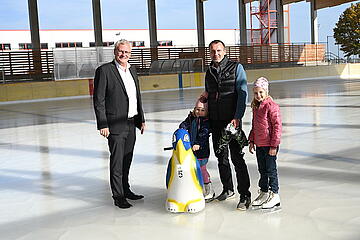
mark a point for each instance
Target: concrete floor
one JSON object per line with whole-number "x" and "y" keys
{"x": 54, "y": 171}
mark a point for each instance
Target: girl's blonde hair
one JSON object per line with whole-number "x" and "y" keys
{"x": 255, "y": 103}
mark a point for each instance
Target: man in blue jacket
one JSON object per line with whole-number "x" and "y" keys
{"x": 226, "y": 85}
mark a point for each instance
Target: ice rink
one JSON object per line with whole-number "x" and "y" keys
{"x": 54, "y": 171}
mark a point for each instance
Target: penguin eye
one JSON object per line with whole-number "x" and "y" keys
{"x": 186, "y": 138}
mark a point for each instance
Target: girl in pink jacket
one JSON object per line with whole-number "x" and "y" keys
{"x": 265, "y": 135}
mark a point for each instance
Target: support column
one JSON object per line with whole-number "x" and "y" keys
{"x": 35, "y": 38}
{"x": 280, "y": 29}
{"x": 200, "y": 23}
{"x": 314, "y": 23}
{"x": 200, "y": 29}
{"x": 97, "y": 23}
{"x": 98, "y": 30}
{"x": 242, "y": 23}
{"x": 152, "y": 29}
{"x": 280, "y": 22}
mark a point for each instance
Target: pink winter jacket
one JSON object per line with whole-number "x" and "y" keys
{"x": 266, "y": 124}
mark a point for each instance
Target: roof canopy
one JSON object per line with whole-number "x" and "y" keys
{"x": 318, "y": 3}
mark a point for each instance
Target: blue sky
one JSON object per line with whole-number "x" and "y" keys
{"x": 171, "y": 14}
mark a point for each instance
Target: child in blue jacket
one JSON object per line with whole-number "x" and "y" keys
{"x": 197, "y": 124}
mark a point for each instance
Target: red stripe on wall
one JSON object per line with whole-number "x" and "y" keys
{"x": 91, "y": 87}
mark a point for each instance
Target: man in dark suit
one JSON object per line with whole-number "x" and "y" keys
{"x": 118, "y": 110}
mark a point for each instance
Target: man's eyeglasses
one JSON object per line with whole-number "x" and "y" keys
{"x": 123, "y": 52}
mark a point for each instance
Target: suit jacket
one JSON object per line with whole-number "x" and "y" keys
{"x": 111, "y": 101}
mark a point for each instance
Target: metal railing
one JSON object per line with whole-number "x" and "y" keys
{"x": 20, "y": 65}
{"x": 333, "y": 58}
{"x": 75, "y": 63}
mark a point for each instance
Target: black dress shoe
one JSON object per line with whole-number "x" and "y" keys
{"x": 122, "y": 203}
{"x": 133, "y": 196}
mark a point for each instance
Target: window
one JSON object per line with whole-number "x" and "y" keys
{"x": 44, "y": 45}
{"x": 5, "y": 46}
{"x": 68, "y": 44}
{"x": 27, "y": 46}
{"x": 105, "y": 44}
{"x": 137, "y": 43}
{"x": 165, "y": 43}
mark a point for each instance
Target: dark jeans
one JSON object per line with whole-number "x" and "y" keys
{"x": 267, "y": 169}
{"x": 121, "y": 148}
{"x": 237, "y": 158}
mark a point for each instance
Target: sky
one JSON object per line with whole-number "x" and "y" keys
{"x": 171, "y": 14}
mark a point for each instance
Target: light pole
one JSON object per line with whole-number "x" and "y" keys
{"x": 327, "y": 46}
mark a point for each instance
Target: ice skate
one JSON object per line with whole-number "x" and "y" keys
{"x": 226, "y": 194}
{"x": 272, "y": 202}
{"x": 209, "y": 194}
{"x": 244, "y": 203}
{"x": 261, "y": 198}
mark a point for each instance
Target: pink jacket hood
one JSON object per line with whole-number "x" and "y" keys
{"x": 266, "y": 124}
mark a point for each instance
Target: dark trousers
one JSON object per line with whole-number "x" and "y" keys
{"x": 237, "y": 158}
{"x": 267, "y": 169}
{"x": 121, "y": 148}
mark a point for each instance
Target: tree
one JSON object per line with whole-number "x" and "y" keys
{"x": 347, "y": 30}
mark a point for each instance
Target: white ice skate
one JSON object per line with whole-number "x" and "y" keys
{"x": 261, "y": 198}
{"x": 272, "y": 202}
{"x": 209, "y": 194}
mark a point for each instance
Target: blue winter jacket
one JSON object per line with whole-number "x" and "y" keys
{"x": 198, "y": 128}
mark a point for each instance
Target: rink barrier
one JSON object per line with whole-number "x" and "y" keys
{"x": 82, "y": 87}
{"x": 39, "y": 90}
